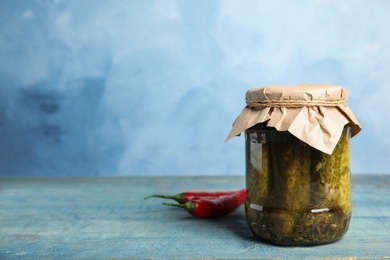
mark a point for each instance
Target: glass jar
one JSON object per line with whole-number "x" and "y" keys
{"x": 296, "y": 194}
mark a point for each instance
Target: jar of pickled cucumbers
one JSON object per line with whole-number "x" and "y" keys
{"x": 297, "y": 162}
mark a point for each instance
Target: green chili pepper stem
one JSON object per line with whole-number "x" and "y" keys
{"x": 188, "y": 206}
{"x": 178, "y": 197}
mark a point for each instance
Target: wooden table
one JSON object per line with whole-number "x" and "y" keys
{"x": 99, "y": 218}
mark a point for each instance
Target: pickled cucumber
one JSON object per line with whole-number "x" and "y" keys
{"x": 297, "y": 195}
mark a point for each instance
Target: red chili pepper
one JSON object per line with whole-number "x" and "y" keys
{"x": 213, "y": 208}
{"x": 194, "y": 195}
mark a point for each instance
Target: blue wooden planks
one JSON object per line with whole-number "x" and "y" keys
{"x": 89, "y": 218}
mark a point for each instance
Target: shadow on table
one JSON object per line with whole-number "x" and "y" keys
{"x": 236, "y": 223}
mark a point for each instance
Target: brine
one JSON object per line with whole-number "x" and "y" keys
{"x": 296, "y": 194}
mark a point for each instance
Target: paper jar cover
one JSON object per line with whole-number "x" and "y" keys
{"x": 314, "y": 113}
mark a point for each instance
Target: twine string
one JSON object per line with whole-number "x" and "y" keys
{"x": 296, "y": 103}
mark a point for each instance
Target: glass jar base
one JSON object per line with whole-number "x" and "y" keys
{"x": 292, "y": 242}
{"x": 305, "y": 228}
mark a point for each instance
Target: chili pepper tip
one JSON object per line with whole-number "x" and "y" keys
{"x": 148, "y": 197}
{"x": 158, "y": 196}
{"x": 172, "y": 204}
{"x": 178, "y": 197}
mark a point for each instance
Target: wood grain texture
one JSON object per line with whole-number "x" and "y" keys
{"x": 103, "y": 218}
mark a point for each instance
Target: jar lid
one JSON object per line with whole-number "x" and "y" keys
{"x": 314, "y": 113}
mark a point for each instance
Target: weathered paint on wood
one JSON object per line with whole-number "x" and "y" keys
{"x": 89, "y": 218}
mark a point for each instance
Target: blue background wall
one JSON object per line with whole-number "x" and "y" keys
{"x": 152, "y": 87}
